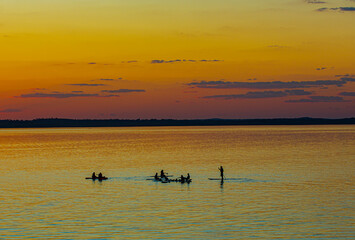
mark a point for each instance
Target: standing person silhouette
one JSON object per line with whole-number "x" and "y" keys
{"x": 222, "y": 171}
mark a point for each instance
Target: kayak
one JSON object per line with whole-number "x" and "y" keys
{"x": 169, "y": 180}
{"x": 97, "y": 178}
{"x": 179, "y": 180}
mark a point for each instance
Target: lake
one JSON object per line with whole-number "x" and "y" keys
{"x": 287, "y": 182}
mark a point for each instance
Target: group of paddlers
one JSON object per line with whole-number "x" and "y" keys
{"x": 164, "y": 178}
{"x": 93, "y": 176}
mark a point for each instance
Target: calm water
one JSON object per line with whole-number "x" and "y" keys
{"x": 290, "y": 182}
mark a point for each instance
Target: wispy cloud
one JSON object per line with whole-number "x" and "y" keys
{"x": 298, "y": 92}
{"x": 184, "y": 60}
{"x": 318, "y": 99}
{"x": 315, "y": 1}
{"x": 110, "y": 95}
{"x": 345, "y": 75}
{"x": 213, "y": 60}
{"x": 123, "y": 91}
{"x": 87, "y": 84}
{"x": 158, "y": 61}
{"x": 63, "y": 95}
{"x": 107, "y": 79}
{"x": 263, "y": 94}
{"x": 337, "y": 9}
{"x": 349, "y": 94}
{"x": 269, "y": 85}
{"x": 130, "y": 61}
{"x": 348, "y": 79}
{"x": 10, "y": 110}
{"x": 277, "y": 46}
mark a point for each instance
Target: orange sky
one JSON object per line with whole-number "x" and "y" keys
{"x": 185, "y": 59}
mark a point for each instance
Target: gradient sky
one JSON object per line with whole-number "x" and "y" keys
{"x": 177, "y": 59}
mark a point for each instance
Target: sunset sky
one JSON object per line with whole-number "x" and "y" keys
{"x": 177, "y": 59}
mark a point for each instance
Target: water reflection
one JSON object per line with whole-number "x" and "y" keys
{"x": 221, "y": 185}
{"x": 295, "y": 185}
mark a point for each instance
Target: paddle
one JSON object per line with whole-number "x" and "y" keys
{"x": 222, "y": 172}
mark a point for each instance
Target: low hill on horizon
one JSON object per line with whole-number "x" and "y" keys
{"x": 63, "y": 122}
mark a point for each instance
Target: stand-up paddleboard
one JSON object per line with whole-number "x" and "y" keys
{"x": 236, "y": 179}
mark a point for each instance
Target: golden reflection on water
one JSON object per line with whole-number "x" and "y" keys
{"x": 289, "y": 182}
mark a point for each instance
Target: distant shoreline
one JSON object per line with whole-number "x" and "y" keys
{"x": 60, "y": 122}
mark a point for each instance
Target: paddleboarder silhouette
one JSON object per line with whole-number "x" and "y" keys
{"x": 222, "y": 172}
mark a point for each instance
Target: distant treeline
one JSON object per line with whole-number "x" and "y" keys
{"x": 59, "y": 122}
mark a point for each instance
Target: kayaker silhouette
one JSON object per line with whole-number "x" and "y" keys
{"x": 93, "y": 175}
{"x": 188, "y": 177}
{"x": 100, "y": 175}
{"x": 162, "y": 174}
{"x": 182, "y": 179}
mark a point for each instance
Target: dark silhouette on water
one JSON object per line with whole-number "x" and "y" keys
{"x": 222, "y": 172}
{"x": 162, "y": 174}
{"x": 182, "y": 179}
{"x": 100, "y": 177}
{"x": 164, "y": 178}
